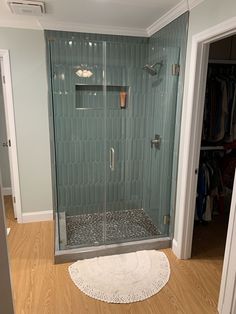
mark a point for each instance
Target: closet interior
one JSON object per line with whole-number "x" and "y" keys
{"x": 217, "y": 160}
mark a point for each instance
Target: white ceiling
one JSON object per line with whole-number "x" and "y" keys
{"x": 121, "y": 13}
{"x": 132, "y": 17}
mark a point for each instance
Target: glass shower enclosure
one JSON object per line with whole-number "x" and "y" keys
{"x": 112, "y": 121}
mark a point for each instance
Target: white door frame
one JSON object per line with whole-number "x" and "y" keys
{"x": 7, "y": 305}
{"x": 11, "y": 132}
{"x": 190, "y": 138}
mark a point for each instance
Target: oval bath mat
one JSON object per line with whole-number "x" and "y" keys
{"x": 123, "y": 278}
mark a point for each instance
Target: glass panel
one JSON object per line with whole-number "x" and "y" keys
{"x": 139, "y": 184}
{"x": 162, "y": 99}
{"x": 79, "y": 134}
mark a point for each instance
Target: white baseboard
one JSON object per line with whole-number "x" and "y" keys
{"x": 37, "y": 216}
{"x": 6, "y": 191}
{"x": 175, "y": 248}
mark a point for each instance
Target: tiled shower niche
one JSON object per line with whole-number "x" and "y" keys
{"x": 92, "y": 97}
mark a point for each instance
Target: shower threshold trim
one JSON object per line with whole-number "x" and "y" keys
{"x": 65, "y": 256}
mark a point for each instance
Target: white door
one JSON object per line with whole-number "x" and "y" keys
{"x": 7, "y": 305}
{"x": 5, "y": 139}
{"x": 227, "y": 300}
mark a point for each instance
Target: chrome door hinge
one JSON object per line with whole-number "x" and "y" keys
{"x": 175, "y": 69}
{"x": 3, "y": 79}
{"x": 51, "y": 39}
{"x": 9, "y": 143}
{"x": 166, "y": 219}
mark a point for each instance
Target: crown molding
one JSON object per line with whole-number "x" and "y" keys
{"x": 193, "y": 3}
{"x": 168, "y": 17}
{"x": 90, "y": 28}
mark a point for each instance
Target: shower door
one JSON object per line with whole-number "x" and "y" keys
{"x": 79, "y": 137}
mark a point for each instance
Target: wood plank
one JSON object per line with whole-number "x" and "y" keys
{"x": 40, "y": 287}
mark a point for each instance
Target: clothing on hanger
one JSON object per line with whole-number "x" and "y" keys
{"x": 210, "y": 187}
{"x": 219, "y": 122}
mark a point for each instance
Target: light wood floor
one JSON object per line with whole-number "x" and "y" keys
{"x": 41, "y": 287}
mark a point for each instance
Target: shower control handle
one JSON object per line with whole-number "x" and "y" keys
{"x": 112, "y": 159}
{"x": 156, "y": 142}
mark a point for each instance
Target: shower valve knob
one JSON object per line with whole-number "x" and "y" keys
{"x": 156, "y": 142}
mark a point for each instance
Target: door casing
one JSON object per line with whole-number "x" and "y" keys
{"x": 190, "y": 140}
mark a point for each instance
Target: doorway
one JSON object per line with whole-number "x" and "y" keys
{"x": 190, "y": 142}
{"x": 217, "y": 158}
{"x": 4, "y": 155}
{"x": 8, "y": 151}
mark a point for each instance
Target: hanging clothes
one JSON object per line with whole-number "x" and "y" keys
{"x": 219, "y": 122}
{"x": 203, "y": 187}
{"x": 210, "y": 188}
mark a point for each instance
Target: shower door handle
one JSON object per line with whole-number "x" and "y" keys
{"x": 112, "y": 159}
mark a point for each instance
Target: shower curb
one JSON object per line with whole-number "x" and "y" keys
{"x": 65, "y": 256}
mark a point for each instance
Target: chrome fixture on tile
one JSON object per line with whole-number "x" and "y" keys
{"x": 156, "y": 142}
{"x": 151, "y": 68}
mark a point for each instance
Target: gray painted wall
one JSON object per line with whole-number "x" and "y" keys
{"x": 4, "y": 160}
{"x": 202, "y": 17}
{"x": 28, "y": 67}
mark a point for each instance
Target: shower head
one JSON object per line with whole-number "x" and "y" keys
{"x": 151, "y": 68}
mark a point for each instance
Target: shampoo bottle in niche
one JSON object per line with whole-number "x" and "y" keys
{"x": 123, "y": 96}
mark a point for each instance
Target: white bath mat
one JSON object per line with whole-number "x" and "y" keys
{"x": 123, "y": 278}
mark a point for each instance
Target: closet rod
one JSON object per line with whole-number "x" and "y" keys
{"x": 212, "y": 61}
{"x": 212, "y": 148}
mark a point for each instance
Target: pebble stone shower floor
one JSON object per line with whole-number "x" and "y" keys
{"x": 87, "y": 229}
